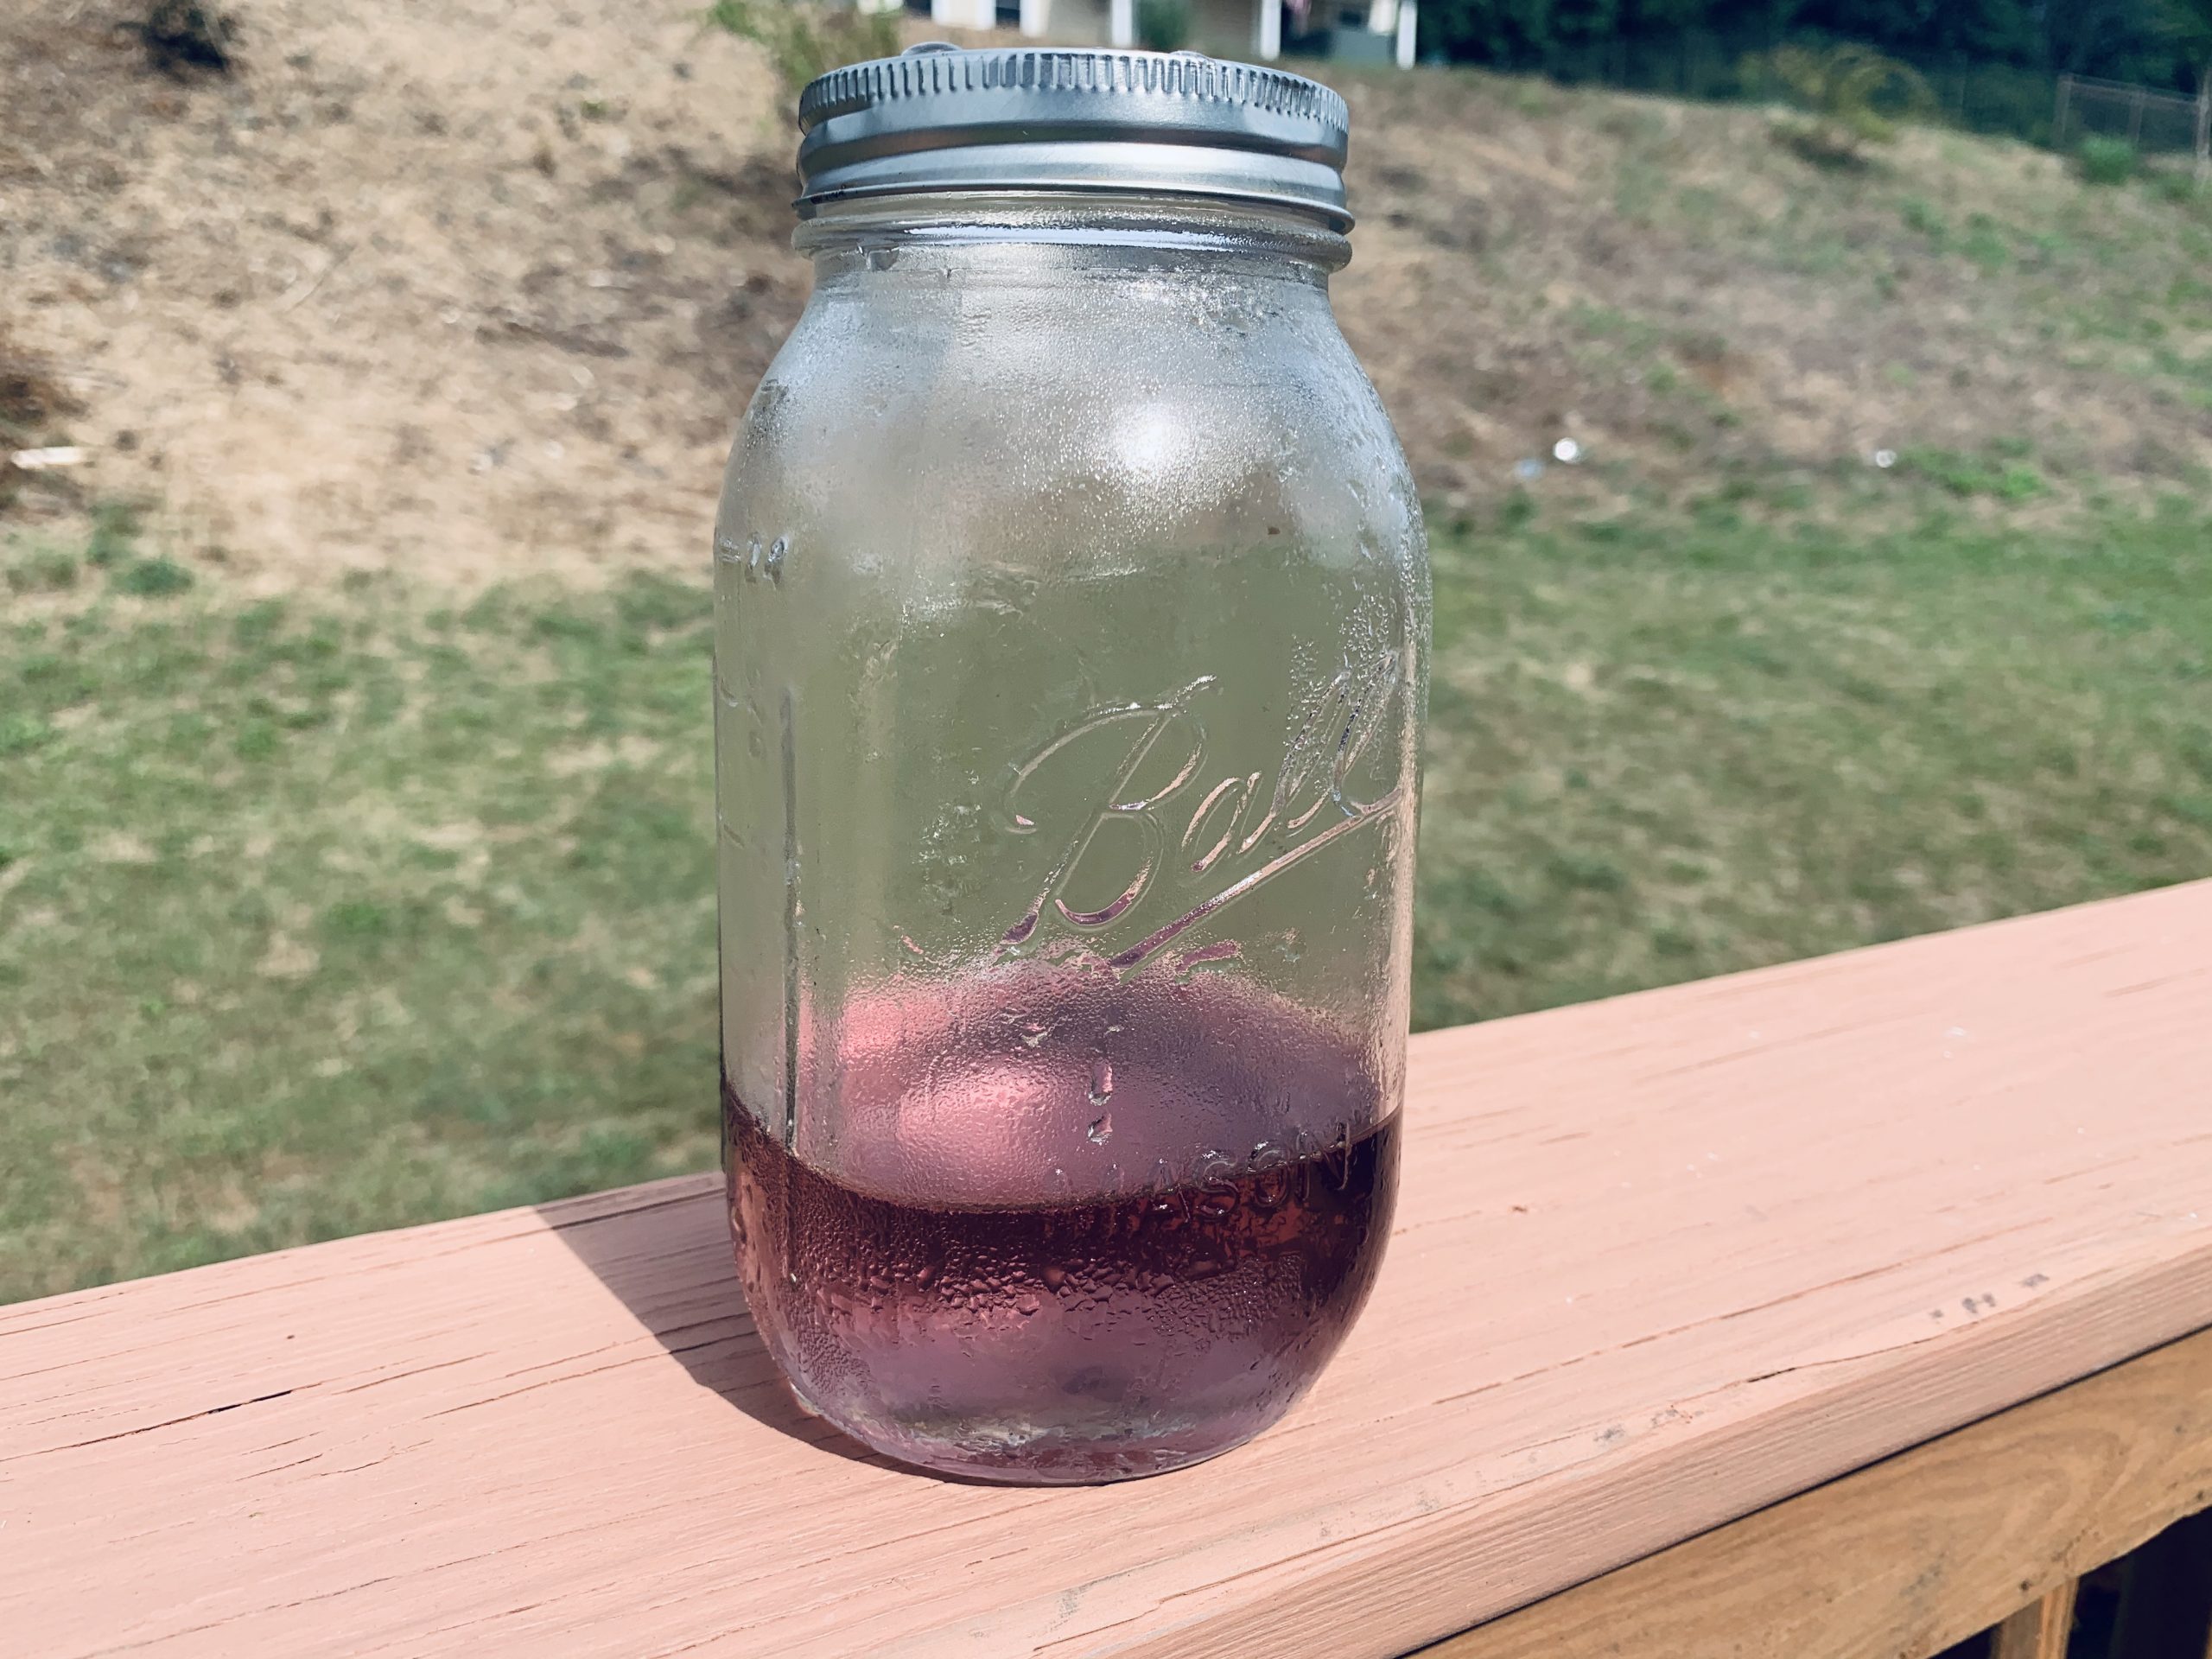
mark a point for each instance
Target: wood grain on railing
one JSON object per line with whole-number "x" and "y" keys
{"x": 1919, "y": 1552}
{"x": 2039, "y": 1630}
{"x": 1660, "y": 1262}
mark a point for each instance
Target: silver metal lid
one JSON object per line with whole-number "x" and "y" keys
{"x": 938, "y": 117}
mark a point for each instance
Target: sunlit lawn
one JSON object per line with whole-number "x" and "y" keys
{"x": 351, "y": 911}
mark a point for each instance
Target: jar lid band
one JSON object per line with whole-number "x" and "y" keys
{"x": 938, "y": 118}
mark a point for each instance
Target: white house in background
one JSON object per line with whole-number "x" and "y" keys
{"x": 1377, "y": 30}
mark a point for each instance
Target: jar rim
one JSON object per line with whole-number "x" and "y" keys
{"x": 1075, "y": 121}
{"x": 1099, "y": 220}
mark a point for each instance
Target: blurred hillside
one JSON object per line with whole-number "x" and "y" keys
{"x": 475, "y": 290}
{"x": 467, "y": 289}
{"x": 1823, "y": 555}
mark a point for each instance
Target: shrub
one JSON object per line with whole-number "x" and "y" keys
{"x": 182, "y": 36}
{"x": 1853, "y": 95}
{"x": 1163, "y": 25}
{"x": 2106, "y": 161}
{"x": 155, "y": 578}
{"x": 802, "y": 39}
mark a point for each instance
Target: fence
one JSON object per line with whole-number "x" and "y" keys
{"x": 2008, "y": 99}
{"x": 2149, "y": 121}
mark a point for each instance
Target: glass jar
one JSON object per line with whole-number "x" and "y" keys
{"x": 1071, "y": 629}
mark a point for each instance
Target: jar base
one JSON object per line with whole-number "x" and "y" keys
{"x": 1003, "y": 1453}
{"x": 950, "y": 1296}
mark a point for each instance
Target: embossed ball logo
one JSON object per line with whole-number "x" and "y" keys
{"x": 1209, "y": 834}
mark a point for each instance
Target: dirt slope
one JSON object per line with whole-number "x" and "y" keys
{"x": 468, "y": 286}
{"x": 473, "y": 288}
{"x": 1687, "y": 295}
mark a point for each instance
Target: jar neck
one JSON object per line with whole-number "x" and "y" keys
{"x": 850, "y": 234}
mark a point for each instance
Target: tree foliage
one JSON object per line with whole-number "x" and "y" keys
{"x": 2188, "y": 24}
{"x": 2128, "y": 40}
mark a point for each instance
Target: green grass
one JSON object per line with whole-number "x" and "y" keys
{"x": 350, "y": 912}
{"x": 322, "y": 918}
{"x": 1663, "y": 751}
{"x": 2009, "y": 477}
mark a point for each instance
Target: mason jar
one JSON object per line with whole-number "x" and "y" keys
{"x": 1072, "y": 616}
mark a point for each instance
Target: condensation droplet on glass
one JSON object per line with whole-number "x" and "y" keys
{"x": 1102, "y": 1082}
{"x": 1163, "y": 1184}
{"x": 772, "y": 566}
{"x": 1567, "y": 451}
{"x": 1034, "y": 1032}
{"x": 1101, "y": 1129}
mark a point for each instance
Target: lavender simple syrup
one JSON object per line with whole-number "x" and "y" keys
{"x": 1019, "y": 1270}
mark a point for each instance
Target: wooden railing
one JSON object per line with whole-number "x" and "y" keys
{"x": 1843, "y": 1309}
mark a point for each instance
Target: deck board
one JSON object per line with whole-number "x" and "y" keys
{"x": 1660, "y": 1261}
{"x": 1989, "y": 1525}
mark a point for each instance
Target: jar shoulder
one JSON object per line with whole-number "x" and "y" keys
{"x": 1119, "y": 415}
